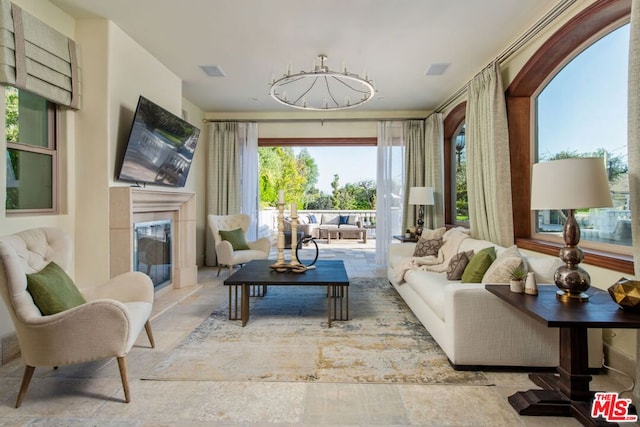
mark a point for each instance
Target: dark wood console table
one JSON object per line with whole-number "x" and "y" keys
{"x": 567, "y": 393}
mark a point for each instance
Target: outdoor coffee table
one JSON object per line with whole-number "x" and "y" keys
{"x": 256, "y": 276}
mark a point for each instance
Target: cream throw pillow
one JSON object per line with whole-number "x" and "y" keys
{"x": 429, "y": 234}
{"x": 505, "y": 263}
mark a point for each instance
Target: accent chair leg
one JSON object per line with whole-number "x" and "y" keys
{"x": 219, "y": 268}
{"x": 147, "y": 327}
{"x": 230, "y": 269}
{"x": 26, "y": 379}
{"x": 122, "y": 364}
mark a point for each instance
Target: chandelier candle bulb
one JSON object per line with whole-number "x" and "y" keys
{"x": 281, "y": 197}
{"x": 294, "y": 210}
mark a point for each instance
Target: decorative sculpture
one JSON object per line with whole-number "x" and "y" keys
{"x": 281, "y": 265}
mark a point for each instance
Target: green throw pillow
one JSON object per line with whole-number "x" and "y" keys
{"x": 478, "y": 265}
{"x": 53, "y": 290}
{"x": 236, "y": 238}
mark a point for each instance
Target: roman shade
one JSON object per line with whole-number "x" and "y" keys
{"x": 37, "y": 58}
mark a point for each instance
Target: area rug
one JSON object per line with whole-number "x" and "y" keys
{"x": 287, "y": 339}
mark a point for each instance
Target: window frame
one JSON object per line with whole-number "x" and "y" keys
{"x": 451, "y": 124}
{"x": 566, "y": 43}
{"x": 50, "y": 150}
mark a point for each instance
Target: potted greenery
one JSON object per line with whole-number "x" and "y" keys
{"x": 518, "y": 276}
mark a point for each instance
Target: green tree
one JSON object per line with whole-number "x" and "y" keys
{"x": 462, "y": 198}
{"x": 359, "y": 195}
{"x": 11, "y": 115}
{"x": 335, "y": 195}
{"x": 280, "y": 169}
{"x": 616, "y": 166}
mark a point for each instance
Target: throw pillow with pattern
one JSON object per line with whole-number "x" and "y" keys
{"x": 427, "y": 247}
{"x": 457, "y": 265}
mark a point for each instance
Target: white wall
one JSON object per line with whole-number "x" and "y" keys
{"x": 196, "y": 181}
{"x": 116, "y": 71}
{"x": 63, "y": 23}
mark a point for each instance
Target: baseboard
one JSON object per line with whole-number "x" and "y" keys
{"x": 619, "y": 360}
{"x": 9, "y": 348}
{"x": 500, "y": 368}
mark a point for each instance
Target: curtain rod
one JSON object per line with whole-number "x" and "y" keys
{"x": 321, "y": 120}
{"x": 536, "y": 29}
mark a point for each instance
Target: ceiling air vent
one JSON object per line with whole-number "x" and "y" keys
{"x": 212, "y": 70}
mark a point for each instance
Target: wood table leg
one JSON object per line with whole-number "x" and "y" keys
{"x": 566, "y": 393}
{"x": 329, "y": 291}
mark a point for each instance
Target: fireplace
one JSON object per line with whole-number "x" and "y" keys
{"x": 152, "y": 250}
{"x": 132, "y": 205}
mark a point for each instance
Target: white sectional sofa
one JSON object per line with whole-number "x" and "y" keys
{"x": 472, "y": 326}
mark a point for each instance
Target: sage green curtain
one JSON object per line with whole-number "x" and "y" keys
{"x": 434, "y": 169}
{"x": 37, "y": 58}
{"x": 488, "y": 164}
{"x": 223, "y": 177}
{"x": 633, "y": 147}
{"x": 414, "y": 168}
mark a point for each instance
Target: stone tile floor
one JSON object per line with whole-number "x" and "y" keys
{"x": 91, "y": 394}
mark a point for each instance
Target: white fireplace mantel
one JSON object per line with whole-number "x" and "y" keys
{"x": 128, "y": 205}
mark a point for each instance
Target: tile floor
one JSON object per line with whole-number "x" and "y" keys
{"x": 91, "y": 394}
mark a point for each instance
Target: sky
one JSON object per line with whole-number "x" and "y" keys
{"x": 352, "y": 164}
{"x": 567, "y": 119}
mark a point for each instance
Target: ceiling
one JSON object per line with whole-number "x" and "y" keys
{"x": 395, "y": 42}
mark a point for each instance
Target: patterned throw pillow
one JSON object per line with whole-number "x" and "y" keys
{"x": 427, "y": 247}
{"x": 457, "y": 265}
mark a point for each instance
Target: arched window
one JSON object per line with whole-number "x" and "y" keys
{"x": 582, "y": 112}
{"x": 456, "y": 211}
{"x": 530, "y": 137}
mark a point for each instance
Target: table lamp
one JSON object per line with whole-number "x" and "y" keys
{"x": 570, "y": 184}
{"x": 421, "y": 196}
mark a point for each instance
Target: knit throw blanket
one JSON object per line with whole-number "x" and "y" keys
{"x": 450, "y": 246}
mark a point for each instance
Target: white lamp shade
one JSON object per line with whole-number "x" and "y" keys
{"x": 576, "y": 183}
{"x": 421, "y": 196}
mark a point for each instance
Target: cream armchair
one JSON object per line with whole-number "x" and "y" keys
{"x": 224, "y": 250}
{"x": 107, "y": 325}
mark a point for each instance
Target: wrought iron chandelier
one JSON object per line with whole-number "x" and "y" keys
{"x": 322, "y": 89}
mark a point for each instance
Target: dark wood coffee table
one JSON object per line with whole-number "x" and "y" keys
{"x": 258, "y": 276}
{"x": 565, "y": 394}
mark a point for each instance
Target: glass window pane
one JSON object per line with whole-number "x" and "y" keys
{"x": 29, "y": 180}
{"x": 460, "y": 198}
{"x": 582, "y": 112}
{"x": 27, "y": 118}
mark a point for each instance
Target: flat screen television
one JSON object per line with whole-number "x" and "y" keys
{"x": 160, "y": 147}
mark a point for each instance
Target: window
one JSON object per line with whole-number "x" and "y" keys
{"x": 590, "y": 24}
{"x": 582, "y": 112}
{"x": 459, "y": 178}
{"x": 31, "y": 153}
